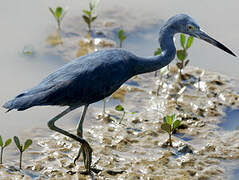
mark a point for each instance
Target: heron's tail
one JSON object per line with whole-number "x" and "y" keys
{"x": 25, "y": 100}
{"x": 21, "y": 102}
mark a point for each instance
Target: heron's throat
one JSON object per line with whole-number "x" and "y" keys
{"x": 149, "y": 64}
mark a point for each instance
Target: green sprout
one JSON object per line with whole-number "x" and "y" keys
{"x": 120, "y": 108}
{"x": 182, "y": 53}
{"x": 58, "y": 14}
{"x": 169, "y": 125}
{"x": 7, "y": 142}
{"x": 158, "y": 51}
{"x": 121, "y": 36}
{"x": 90, "y": 15}
{"x": 21, "y": 148}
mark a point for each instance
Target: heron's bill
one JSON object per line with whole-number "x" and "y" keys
{"x": 202, "y": 35}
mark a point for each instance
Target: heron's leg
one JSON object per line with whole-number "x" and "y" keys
{"x": 79, "y": 129}
{"x": 80, "y": 132}
{"x": 87, "y": 151}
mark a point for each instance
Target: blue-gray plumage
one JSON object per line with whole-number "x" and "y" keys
{"x": 95, "y": 76}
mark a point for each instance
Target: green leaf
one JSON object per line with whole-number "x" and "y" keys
{"x": 189, "y": 42}
{"x": 87, "y": 12}
{"x": 165, "y": 119}
{"x": 1, "y": 143}
{"x": 123, "y": 38}
{"x": 166, "y": 127}
{"x": 133, "y": 112}
{"x": 182, "y": 40}
{"x": 119, "y": 108}
{"x": 86, "y": 19}
{"x": 170, "y": 120}
{"x": 173, "y": 117}
{"x": 7, "y": 142}
{"x": 93, "y": 18}
{"x": 158, "y": 51}
{"x": 176, "y": 124}
{"x": 52, "y": 11}
{"x": 17, "y": 142}
{"x": 27, "y": 144}
{"x": 121, "y": 33}
{"x": 58, "y": 12}
{"x": 181, "y": 55}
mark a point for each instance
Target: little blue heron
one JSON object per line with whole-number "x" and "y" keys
{"x": 93, "y": 77}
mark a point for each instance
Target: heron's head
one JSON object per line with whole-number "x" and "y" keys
{"x": 183, "y": 23}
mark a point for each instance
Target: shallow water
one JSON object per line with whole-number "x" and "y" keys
{"x": 28, "y": 23}
{"x": 231, "y": 119}
{"x": 137, "y": 147}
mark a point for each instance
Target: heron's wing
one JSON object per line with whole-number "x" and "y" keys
{"x": 84, "y": 80}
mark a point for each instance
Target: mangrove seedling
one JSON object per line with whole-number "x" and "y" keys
{"x": 120, "y": 108}
{"x": 158, "y": 51}
{"x": 90, "y": 15}
{"x": 182, "y": 53}
{"x": 121, "y": 36}
{"x": 21, "y": 148}
{"x": 58, "y": 14}
{"x": 7, "y": 142}
{"x": 169, "y": 125}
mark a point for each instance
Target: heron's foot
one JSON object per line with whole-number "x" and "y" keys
{"x": 78, "y": 156}
{"x": 79, "y": 134}
{"x": 95, "y": 170}
{"x": 87, "y": 156}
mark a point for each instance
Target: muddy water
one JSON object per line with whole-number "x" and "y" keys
{"x": 29, "y": 23}
{"x": 130, "y": 150}
{"x": 136, "y": 148}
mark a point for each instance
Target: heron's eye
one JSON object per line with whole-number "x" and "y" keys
{"x": 190, "y": 27}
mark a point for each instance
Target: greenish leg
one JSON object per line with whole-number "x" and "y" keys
{"x": 79, "y": 131}
{"x": 85, "y": 147}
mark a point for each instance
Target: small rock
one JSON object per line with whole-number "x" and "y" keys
{"x": 185, "y": 149}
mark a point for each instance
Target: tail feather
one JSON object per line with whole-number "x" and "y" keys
{"x": 22, "y": 103}
{"x": 28, "y": 99}
{"x": 7, "y": 106}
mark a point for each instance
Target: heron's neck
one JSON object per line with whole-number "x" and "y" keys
{"x": 149, "y": 64}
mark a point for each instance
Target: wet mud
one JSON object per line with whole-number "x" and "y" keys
{"x": 136, "y": 148}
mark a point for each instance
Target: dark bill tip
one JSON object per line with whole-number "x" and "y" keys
{"x": 224, "y": 48}
{"x": 202, "y": 35}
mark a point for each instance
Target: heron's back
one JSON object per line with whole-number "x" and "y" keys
{"x": 85, "y": 80}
